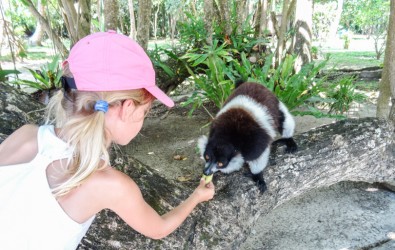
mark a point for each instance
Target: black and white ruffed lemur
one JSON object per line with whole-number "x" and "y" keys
{"x": 243, "y": 131}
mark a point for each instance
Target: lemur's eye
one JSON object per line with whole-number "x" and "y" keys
{"x": 220, "y": 164}
{"x": 207, "y": 158}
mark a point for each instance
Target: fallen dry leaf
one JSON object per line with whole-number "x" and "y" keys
{"x": 184, "y": 178}
{"x": 180, "y": 157}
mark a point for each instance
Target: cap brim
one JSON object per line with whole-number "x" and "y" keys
{"x": 160, "y": 95}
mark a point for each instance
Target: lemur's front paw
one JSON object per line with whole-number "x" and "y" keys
{"x": 261, "y": 186}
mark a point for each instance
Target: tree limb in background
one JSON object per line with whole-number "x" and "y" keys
{"x": 52, "y": 35}
{"x": 78, "y": 21}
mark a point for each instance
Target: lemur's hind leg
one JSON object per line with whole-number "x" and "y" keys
{"x": 287, "y": 130}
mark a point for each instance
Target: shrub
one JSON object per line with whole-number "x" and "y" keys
{"x": 343, "y": 94}
{"x": 47, "y": 78}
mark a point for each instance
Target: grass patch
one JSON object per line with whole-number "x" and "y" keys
{"x": 367, "y": 85}
{"x": 5, "y": 58}
{"x": 353, "y": 59}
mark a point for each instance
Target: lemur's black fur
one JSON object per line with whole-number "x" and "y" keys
{"x": 244, "y": 129}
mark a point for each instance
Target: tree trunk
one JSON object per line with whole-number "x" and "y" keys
{"x": 262, "y": 18}
{"x": 335, "y": 23}
{"x": 172, "y": 26}
{"x": 288, "y": 8}
{"x": 241, "y": 6}
{"x": 55, "y": 38}
{"x": 155, "y": 24}
{"x": 37, "y": 37}
{"x": 350, "y": 150}
{"x": 303, "y": 33}
{"x": 208, "y": 19}
{"x": 224, "y": 12}
{"x": 144, "y": 22}
{"x": 387, "y": 84}
{"x": 77, "y": 18}
{"x": 111, "y": 13}
{"x": 132, "y": 21}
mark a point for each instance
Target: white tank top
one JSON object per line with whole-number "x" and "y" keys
{"x": 30, "y": 216}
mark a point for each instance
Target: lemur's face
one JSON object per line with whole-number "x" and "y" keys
{"x": 217, "y": 156}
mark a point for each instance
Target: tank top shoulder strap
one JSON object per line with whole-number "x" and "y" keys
{"x": 51, "y": 146}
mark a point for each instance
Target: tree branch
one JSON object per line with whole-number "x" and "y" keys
{"x": 351, "y": 150}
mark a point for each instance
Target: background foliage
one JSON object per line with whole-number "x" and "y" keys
{"x": 182, "y": 51}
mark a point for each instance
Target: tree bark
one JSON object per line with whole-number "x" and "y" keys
{"x": 387, "y": 84}
{"x": 350, "y": 150}
{"x": 77, "y": 21}
{"x": 224, "y": 12}
{"x": 288, "y": 8}
{"x": 262, "y": 18}
{"x": 16, "y": 109}
{"x": 132, "y": 21}
{"x": 144, "y": 22}
{"x": 208, "y": 6}
{"x": 241, "y": 9}
{"x": 303, "y": 33}
{"x": 111, "y": 13}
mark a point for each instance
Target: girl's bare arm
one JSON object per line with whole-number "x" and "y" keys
{"x": 130, "y": 205}
{"x": 20, "y": 146}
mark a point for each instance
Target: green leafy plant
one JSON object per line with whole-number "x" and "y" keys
{"x": 239, "y": 55}
{"x": 156, "y": 57}
{"x": 314, "y": 52}
{"x": 192, "y": 32}
{"x": 211, "y": 83}
{"x": 47, "y": 78}
{"x": 300, "y": 90}
{"x": 297, "y": 90}
{"x": 4, "y": 73}
{"x": 343, "y": 94}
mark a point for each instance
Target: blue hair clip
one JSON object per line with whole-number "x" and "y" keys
{"x": 101, "y": 106}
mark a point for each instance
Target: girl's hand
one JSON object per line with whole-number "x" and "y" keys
{"x": 204, "y": 192}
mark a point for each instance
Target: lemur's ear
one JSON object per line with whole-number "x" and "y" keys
{"x": 202, "y": 143}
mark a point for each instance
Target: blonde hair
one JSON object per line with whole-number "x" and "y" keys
{"x": 84, "y": 130}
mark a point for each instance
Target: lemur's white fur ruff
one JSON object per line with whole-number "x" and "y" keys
{"x": 259, "y": 112}
{"x": 289, "y": 122}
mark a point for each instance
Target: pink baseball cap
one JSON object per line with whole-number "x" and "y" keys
{"x": 108, "y": 61}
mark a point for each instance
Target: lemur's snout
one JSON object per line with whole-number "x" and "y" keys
{"x": 208, "y": 169}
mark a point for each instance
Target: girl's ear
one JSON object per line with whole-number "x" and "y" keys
{"x": 127, "y": 108}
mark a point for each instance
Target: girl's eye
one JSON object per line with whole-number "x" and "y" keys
{"x": 220, "y": 164}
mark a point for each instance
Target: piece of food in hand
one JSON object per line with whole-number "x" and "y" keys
{"x": 207, "y": 178}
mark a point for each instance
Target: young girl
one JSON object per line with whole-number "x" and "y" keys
{"x": 55, "y": 178}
